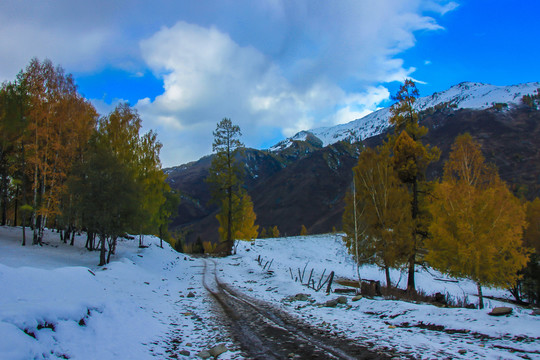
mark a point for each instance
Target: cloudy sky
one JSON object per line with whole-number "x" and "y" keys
{"x": 274, "y": 67}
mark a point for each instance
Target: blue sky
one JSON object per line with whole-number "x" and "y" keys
{"x": 273, "y": 66}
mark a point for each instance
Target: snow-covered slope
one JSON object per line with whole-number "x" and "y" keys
{"x": 466, "y": 95}
{"x": 56, "y": 303}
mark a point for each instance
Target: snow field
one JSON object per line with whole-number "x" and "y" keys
{"x": 53, "y": 306}
{"x": 416, "y": 330}
{"x": 136, "y": 307}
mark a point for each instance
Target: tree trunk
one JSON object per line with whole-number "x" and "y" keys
{"x": 102, "y": 252}
{"x": 410, "y": 279}
{"x": 480, "y": 297}
{"x": 24, "y": 230}
{"x": 25, "y": 199}
{"x": 16, "y": 213}
{"x": 387, "y": 273}
{"x": 112, "y": 248}
{"x": 411, "y": 287}
{"x": 90, "y": 236}
{"x": 4, "y": 200}
{"x": 229, "y": 223}
{"x": 72, "y": 242}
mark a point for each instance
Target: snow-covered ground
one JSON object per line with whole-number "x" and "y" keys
{"x": 56, "y": 303}
{"x": 137, "y": 307}
{"x": 419, "y": 330}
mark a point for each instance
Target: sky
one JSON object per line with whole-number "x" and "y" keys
{"x": 274, "y": 67}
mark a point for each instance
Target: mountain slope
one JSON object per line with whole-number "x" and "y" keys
{"x": 304, "y": 183}
{"x": 466, "y": 95}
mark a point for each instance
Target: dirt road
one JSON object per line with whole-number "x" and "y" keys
{"x": 265, "y": 332}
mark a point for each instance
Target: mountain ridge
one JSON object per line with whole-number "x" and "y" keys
{"x": 465, "y": 95}
{"x": 305, "y": 182}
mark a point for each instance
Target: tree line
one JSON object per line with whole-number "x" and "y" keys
{"x": 468, "y": 224}
{"x": 63, "y": 166}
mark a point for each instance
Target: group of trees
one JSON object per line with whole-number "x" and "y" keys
{"x": 236, "y": 217}
{"x": 63, "y": 166}
{"x": 467, "y": 225}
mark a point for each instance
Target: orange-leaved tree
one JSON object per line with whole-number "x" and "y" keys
{"x": 377, "y": 217}
{"x": 477, "y": 222}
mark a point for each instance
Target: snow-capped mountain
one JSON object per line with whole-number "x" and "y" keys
{"x": 466, "y": 95}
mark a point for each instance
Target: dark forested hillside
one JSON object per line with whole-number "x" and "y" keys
{"x": 306, "y": 184}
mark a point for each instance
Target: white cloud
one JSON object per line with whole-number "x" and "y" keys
{"x": 273, "y": 66}
{"x": 207, "y": 76}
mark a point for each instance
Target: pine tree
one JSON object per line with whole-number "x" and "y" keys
{"x": 531, "y": 239}
{"x": 12, "y": 125}
{"x": 120, "y": 130}
{"x": 410, "y": 159}
{"x": 303, "y": 230}
{"x": 167, "y": 212}
{"x": 477, "y": 223}
{"x": 225, "y": 174}
{"x": 107, "y": 194}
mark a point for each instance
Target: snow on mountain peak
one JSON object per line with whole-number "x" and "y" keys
{"x": 465, "y": 95}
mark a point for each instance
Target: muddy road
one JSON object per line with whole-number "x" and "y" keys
{"x": 265, "y": 332}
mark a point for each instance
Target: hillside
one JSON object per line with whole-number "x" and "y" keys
{"x": 304, "y": 183}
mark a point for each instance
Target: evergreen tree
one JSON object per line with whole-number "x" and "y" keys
{"x": 225, "y": 174}
{"x": 167, "y": 212}
{"x": 107, "y": 194}
{"x": 12, "y": 125}
{"x": 410, "y": 159}
{"x": 120, "y": 130}
{"x": 531, "y": 239}
{"x": 303, "y": 230}
{"x": 477, "y": 223}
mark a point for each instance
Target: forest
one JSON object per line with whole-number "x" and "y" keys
{"x": 63, "y": 166}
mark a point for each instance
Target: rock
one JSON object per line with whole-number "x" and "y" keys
{"x": 189, "y": 344}
{"x": 500, "y": 311}
{"x": 301, "y": 297}
{"x": 190, "y": 295}
{"x": 184, "y": 352}
{"x": 440, "y": 298}
{"x": 217, "y": 350}
{"x": 331, "y": 303}
{"x": 204, "y": 354}
{"x": 462, "y": 351}
{"x": 334, "y": 302}
{"x": 357, "y": 297}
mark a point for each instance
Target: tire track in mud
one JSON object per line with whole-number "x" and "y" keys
{"x": 264, "y": 332}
